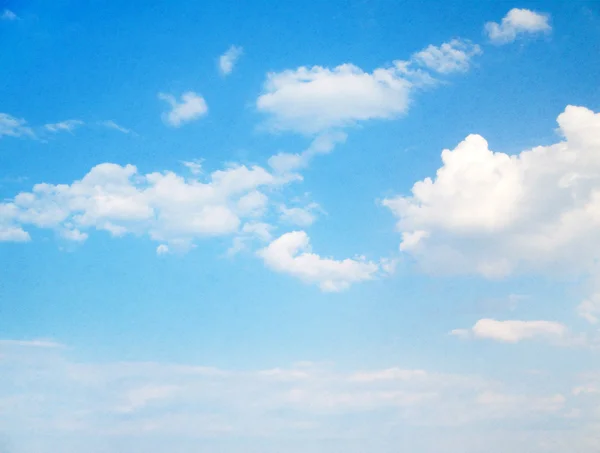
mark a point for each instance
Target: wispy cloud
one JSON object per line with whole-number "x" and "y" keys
{"x": 14, "y": 127}
{"x": 67, "y": 126}
{"x": 112, "y": 125}
{"x": 228, "y": 60}
{"x": 8, "y": 15}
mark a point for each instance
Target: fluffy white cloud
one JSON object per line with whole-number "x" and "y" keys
{"x": 517, "y": 22}
{"x": 8, "y": 15}
{"x": 14, "y": 127}
{"x": 291, "y": 254}
{"x": 311, "y": 100}
{"x": 165, "y": 206}
{"x": 453, "y": 56}
{"x": 191, "y": 107}
{"x": 112, "y": 125}
{"x": 513, "y": 331}
{"x": 228, "y": 60}
{"x": 490, "y": 213}
{"x": 68, "y": 126}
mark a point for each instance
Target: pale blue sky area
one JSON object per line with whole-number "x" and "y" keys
{"x": 299, "y": 227}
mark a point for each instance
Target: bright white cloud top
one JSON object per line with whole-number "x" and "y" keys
{"x": 493, "y": 214}
{"x": 291, "y": 254}
{"x": 518, "y": 22}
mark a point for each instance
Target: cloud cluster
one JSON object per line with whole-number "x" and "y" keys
{"x": 153, "y": 400}
{"x": 517, "y": 22}
{"x": 494, "y": 214}
{"x": 118, "y": 199}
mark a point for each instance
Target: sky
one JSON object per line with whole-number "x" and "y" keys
{"x": 260, "y": 227}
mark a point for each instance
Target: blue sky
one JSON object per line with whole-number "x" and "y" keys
{"x": 344, "y": 226}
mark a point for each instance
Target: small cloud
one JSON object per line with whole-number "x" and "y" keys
{"x": 14, "y": 127}
{"x": 194, "y": 166}
{"x": 517, "y": 22}
{"x": 589, "y": 309}
{"x": 228, "y": 60}
{"x": 512, "y": 331}
{"x": 112, "y": 125}
{"x": 191, "y": 107}
{"x": 8, "y": 15}
{"x": 453, "y": 56}
{"x": 68, "y": 126}
{"x": 162, "y": 249}
{"x": 299, "y": 216}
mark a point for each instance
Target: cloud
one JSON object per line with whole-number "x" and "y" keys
{"x": 513, "y": 331}
{"x": 317, "y": 99}
{"x": 166, "y": 402}
{"x": 164, "y": 206}
{"x": 14, "y": 127}
{"x": 46, "y": 344}
{"x": 323, "y": 143}
{"x": 589, "y": 309}
{"x": 228, "y": 60}
{"x": 162, "y": 249}
{"x": 311, "y": 100}
{"x": 302, "y": 217}
{"x": 291, "y": 254}
{"x": 8, "y": 15}
{"x": 194, "y": 166}
{"x": 517, "y": 22}
{"x": 191, "y": 107}
{"x": 495, "y": 214}
{"x": 112, "y": 125}
{"x": 453, "y": 56}
{"x": 68, "y": 126}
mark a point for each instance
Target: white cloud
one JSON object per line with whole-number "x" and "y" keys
{"x": 314, "y": 100}
{"x": 453, "y": 56}
{"x": 513, "y": 331}
{"x": 68, "y": 126}
{"x": 517, "y": 22}
{"x": 14, "y": 127}
{"x": 191, "y": 107}
{"x": 228, "y": 60}
{"x": 162, "y": 249}
{"x": 8, "y": 15}
{"x": 311, "y": 100}
{"x": 112, "y": 125}
{"x": 291, "y": 254}
{"x": 322, "y": 144}
{"x": 165, "y": 206}
{"x": 168, "y": 401}
{"x": 299, "y": 216}
{"x": 493, "y": 214}
{"x": 590, "y": 308}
